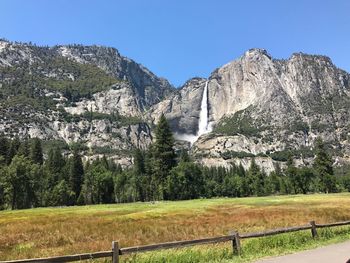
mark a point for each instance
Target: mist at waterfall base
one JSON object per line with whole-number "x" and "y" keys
{"x": 203, "y": 124}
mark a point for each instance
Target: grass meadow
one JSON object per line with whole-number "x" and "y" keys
{"x": 43, "y": 232}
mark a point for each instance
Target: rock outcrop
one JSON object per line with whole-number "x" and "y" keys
{"x": 119, "y": 98}
{"x": 149, "y": 88}
{"x": 261, "y": 107}
{"x": 181, "y": 108}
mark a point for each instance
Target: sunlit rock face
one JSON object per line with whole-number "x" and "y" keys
{"x": 261, "y": 105}
{"x": 148, "y": 88}
{"x": 182, "y": 108}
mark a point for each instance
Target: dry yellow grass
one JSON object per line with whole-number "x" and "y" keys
{"x": 59, "y": 231}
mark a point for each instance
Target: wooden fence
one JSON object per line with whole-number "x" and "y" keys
{"x": 234, "y": 237}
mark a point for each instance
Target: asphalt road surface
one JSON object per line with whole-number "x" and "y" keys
{"x": 336, "y": 253}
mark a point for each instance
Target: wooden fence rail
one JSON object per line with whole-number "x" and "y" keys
{"x": 234, "y": 237}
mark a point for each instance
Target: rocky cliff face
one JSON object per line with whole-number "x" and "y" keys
{"x": 259, "y": 107}
{"x": 262, "y": 107}
{"x": 119, "y": 98}
{"x": 290, "y": 101}
{"x": 149, "y": 88}
{"x": 181, "y": 108}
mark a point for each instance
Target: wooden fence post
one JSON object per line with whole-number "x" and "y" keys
{"x": 115, "y": 252}
{"x": 313, "y": 229}
{"x": 236, "y": 242}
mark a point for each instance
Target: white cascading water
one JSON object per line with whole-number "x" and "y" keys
{"x": 203, "y": 124}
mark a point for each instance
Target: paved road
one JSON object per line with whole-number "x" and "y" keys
{"x": 329, "y": 254}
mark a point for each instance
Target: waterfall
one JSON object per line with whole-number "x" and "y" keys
{"x": 203, "y": 124}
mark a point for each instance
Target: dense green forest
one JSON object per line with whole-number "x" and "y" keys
{"x": 27, "y": 179}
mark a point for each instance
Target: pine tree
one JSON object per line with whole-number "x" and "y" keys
{"x": 13, "y": 149}
{"x": 139, "y": 162}
{"x": 54, "y": 166}
{"x": 274, "y": 179}
{"x": 304, "y": 179}
{"x": 241, "y": 171}
{"x": 4, "y": 148}
{"x": 258, "y": 179}
{"x": 76, "y": 173}
{"x": 36, "y": 151}
{"x": 163, "y": 153}
{"x": 323, "y": 166}
{"x": 24, "y": 148}
{"x": 55, "y": 161}
{"x": 291, "y": 173}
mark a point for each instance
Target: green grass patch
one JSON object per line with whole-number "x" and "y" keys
{"x": 252, "y": 249}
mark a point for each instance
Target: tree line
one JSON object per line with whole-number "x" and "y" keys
{"x": 27, "y": 179}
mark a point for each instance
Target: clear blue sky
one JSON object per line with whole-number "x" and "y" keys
{"x": 180, "y": 39}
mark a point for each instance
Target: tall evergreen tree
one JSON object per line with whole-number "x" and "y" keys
{"x": 163, "y": 153}
{"x": 241, "y": 171}
{"x": 55, "y": 161}
{"x": 76, "y": 173}
{"x": 292, "y": 174}
{"x": 13, "y": 149}
{"x": 54, "y": 166}
{"x": 36, "y": 151}
{"x": 304, "y": 179}
{"x": 164, "y": 146}
{"x": 258, "y": 178}
{"x": 323, "y": 166}
{"x": 4, "y": 148}
{"x": 139, "y": 162}
{"x": 24, "y": 148}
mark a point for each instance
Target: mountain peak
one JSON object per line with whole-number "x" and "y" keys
{"x": 257, "y": 52}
